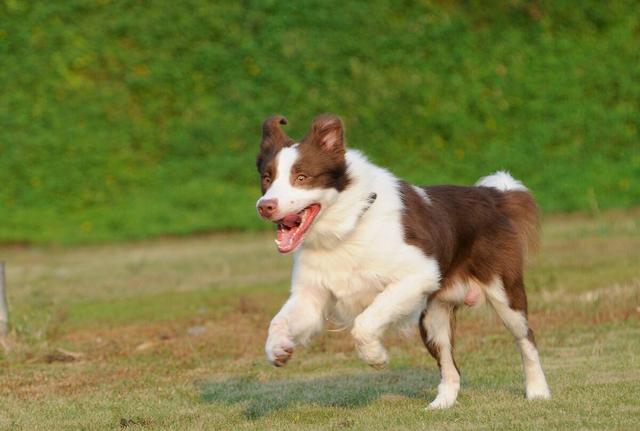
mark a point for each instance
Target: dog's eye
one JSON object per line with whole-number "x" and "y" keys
{"x": 301, "y": 178}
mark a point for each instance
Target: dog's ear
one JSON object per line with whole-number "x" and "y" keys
{"x": 273, "y": 138}
{"x": 327, "y": 131}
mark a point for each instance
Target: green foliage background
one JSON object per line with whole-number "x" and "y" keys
{"x": 130, "y": 119}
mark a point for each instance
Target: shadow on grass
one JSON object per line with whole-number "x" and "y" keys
{"x": 347, "y": 390}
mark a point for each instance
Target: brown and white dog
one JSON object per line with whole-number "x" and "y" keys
{"x": 374, "y": 251}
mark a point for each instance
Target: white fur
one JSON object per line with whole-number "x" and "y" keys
{"x": 437, "y": 323}
{"x": 501, "y": 180}
{"x": 422, "y": 193}
{"x": 516, "y": 322}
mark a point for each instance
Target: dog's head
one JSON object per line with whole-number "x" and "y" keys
{"x": 300, "y": 179}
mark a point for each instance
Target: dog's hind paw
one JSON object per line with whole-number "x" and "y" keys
{"x": 540, "y": 392}
{"x": 440, "y": 403}
{"x": 447, "y": 395}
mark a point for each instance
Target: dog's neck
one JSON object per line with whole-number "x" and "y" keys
{"x": 340, "y": 218}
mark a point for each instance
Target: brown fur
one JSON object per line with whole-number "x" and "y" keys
{"x": 322, "y": 156}
{"x": 474, "y": 233}
{"x": 273, "y": 140}
{"x": 531, "y": 337}
{"x": 432, "y": 347}
{"x": 321, "y": 162}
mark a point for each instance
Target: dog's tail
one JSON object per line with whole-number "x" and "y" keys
{"x": 519, "y": 206}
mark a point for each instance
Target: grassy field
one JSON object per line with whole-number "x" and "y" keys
{"x": 128, "y": 120}
{"x": 169, "y": 333}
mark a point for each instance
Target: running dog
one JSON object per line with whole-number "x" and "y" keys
{"x": 374, "y": 251}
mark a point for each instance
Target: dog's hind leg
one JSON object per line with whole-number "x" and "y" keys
{"x": 509, "y": 300}
{"x": 437, "y": 326}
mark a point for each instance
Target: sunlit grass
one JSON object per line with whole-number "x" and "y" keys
{"x": 170, "y": 333}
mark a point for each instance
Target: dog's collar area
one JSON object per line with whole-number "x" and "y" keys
{"x": 370, "y": 200}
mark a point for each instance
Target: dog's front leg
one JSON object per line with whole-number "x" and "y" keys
{"x": 299, "y": 319}
{"x": 398, "y": 301}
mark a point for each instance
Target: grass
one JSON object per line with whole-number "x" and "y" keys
{"x": 169, "y": 334}
{"x": 128, "y": 120}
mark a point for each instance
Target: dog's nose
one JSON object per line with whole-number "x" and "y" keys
{"x": 267, "y": 207}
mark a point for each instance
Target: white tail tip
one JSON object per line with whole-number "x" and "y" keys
{"x": 501, "y": 180}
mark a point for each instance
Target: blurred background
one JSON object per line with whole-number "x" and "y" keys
{"x": 123, "y": 121}
{"x": 127, "y": 120}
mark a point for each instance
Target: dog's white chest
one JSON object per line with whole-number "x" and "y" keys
{"x": 354, "y": 292}
{"x": 350, "y": 278}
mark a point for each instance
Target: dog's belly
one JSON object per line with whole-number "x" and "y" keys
{"x": 469, "y": 292}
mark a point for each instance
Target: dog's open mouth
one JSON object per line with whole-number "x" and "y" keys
{"x": 292, "y": 228}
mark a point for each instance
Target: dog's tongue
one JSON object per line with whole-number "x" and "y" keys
{"x": 291, "y": 220}
{"x": 287, "y": 230}
{"x": 291, "y": 228}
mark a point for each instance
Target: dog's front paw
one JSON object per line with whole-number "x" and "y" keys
{"x": 369, "y": 347}
{"x": 279, "y": 350}
{"x": 373, "y": 353}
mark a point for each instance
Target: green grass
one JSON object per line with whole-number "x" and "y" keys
{"x": 169, "y": 334}
{"x": 492, "y": 396}
{"x": 124, "y": 120}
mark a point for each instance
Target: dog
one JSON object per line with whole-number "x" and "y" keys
{"x": 375, "y": 252}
